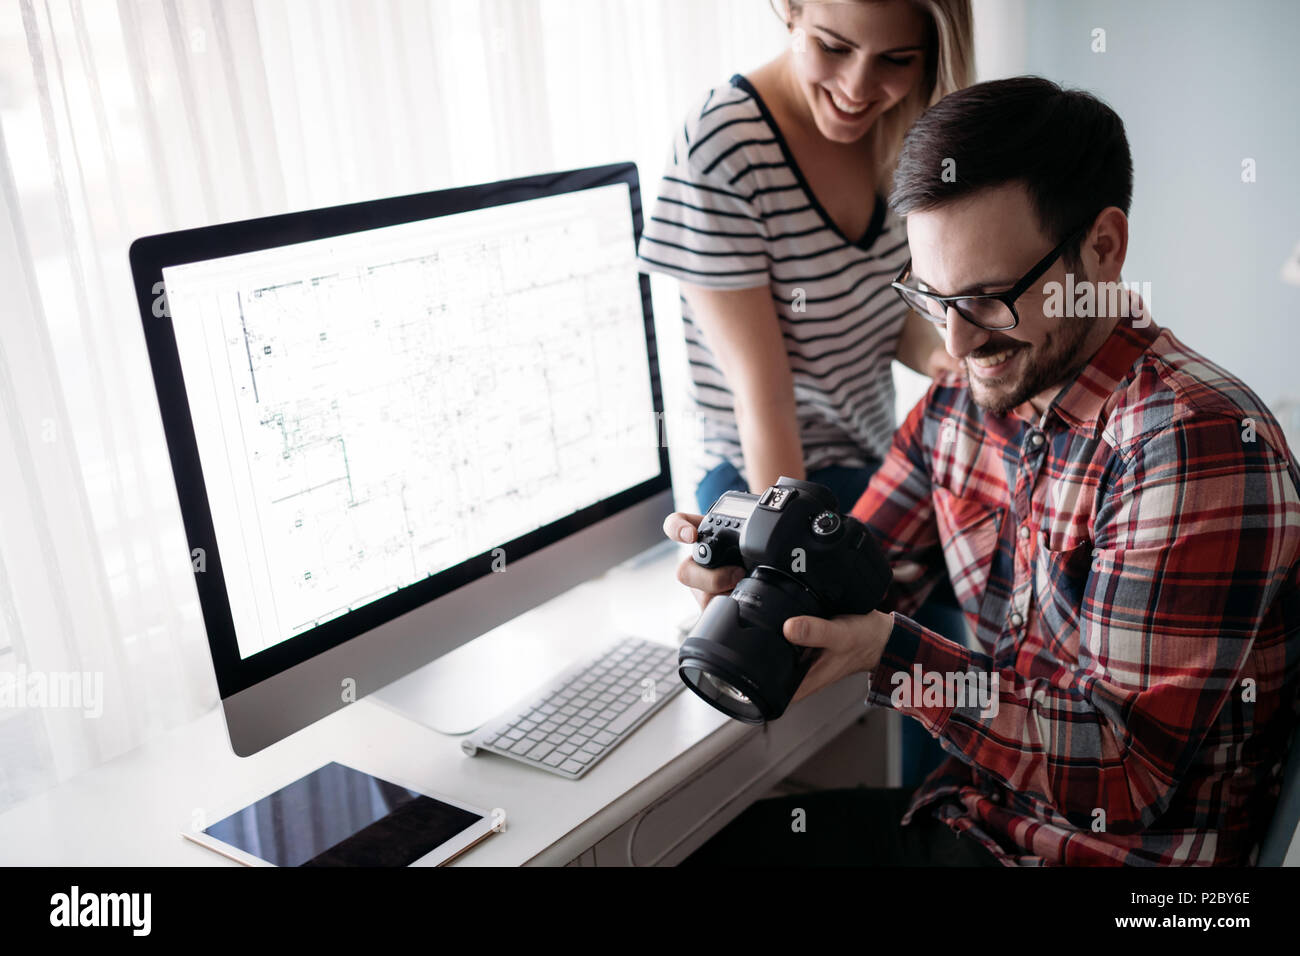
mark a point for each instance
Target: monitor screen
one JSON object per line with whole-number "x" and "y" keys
{"x": 372, "y": 408}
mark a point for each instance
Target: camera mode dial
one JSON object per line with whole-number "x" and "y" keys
{"x": 826, "y": 523}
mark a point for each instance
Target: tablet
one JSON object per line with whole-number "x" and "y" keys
{"x": 338, "y": 816}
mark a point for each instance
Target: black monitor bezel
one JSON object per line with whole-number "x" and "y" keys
{"x": 151, "y": 254}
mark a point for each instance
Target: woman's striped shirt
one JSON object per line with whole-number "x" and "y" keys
{"x": 735, "y": 212}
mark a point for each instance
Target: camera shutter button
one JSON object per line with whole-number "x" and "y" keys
{"x": 828, "y": 522}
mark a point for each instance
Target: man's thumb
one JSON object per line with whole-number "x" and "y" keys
{"x": 806, "y": 630}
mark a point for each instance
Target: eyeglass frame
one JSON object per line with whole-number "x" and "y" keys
{"x": 1007, "y": 298}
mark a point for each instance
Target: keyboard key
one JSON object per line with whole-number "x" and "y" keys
{"x": 540, "y": 751}
{"x": 629, "y": 717}
{"x": 578, "y": 717}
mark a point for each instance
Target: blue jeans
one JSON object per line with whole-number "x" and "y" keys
{"x": 847, "y": 483}
{"x": 921, "y": 753}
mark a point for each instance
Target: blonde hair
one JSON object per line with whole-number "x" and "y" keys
{"x": 949, "y": 66}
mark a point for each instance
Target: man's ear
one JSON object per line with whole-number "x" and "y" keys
{"x": 1106, "y": 245}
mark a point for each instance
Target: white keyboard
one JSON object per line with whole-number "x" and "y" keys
{"x": 571, "y": 723}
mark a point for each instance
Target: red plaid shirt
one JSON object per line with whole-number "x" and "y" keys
{"x": 1128, "y": 567}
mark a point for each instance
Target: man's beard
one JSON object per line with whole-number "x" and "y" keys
{"x": 1056, "y": 361}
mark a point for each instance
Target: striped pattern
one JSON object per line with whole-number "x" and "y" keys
{"x": 1130, "y": 569}
{"x": 735, "y": 212}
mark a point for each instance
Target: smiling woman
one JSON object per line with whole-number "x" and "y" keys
{"x": 771, "y": 217}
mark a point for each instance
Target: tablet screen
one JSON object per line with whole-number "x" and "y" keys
{"x": 337, "y": 816}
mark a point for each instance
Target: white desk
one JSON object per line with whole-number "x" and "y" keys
{"x": 656, "y": 797}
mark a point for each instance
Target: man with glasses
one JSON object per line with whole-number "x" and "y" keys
{"x": 1119, "y": 518}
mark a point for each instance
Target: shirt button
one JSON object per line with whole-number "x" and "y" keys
{"x": 1036, "y": 439}
{"x": 1016, "y": 619}
{"x": 1024, "y": 531}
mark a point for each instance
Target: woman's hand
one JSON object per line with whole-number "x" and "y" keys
{"x": 940, "y": 362}
{"x": 921, "y": 348}
{"x": 704, "y": 583}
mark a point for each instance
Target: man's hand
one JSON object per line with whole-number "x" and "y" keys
{"x": 704, "y": 583}
{"x": 850, "y": 643}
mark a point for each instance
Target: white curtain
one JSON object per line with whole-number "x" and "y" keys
{"x": 128, "y": 118}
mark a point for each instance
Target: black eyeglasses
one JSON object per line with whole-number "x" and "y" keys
{"x": 991, "y": 311}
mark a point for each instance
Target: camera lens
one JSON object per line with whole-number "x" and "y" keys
{"x": 718, "y": 691}
{"x": 726, "y": 688}
{"x": 736, "y": 657}
{"x": 803, "y": 558}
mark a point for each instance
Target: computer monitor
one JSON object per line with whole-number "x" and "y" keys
{"x": 395, "y": 425}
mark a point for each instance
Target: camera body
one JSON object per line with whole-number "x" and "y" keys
{"x": 803, "y": 558}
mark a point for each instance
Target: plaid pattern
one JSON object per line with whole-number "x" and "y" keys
{"x": 1128, "y": 566}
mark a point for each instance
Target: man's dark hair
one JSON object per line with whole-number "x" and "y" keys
{"x": 1066, "y": 146}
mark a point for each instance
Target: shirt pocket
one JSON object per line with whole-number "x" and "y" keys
{"x": 1061, "y": 570}
{"x": 968, "y": 533}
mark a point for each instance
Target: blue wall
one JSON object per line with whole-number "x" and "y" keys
{"x": 1201, "y": 85}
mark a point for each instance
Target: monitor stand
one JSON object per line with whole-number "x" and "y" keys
{"x": 463, "y": 689}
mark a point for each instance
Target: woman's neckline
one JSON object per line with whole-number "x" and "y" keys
{"x": 874, "y": 227}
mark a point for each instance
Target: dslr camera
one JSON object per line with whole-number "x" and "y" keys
{"x": 802, "y": 557}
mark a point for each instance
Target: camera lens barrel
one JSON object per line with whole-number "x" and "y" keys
{"x": 738, "y": 644}
{"x": 803, "y": 558}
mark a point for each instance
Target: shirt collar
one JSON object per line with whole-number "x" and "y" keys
{"x": 1081, "y": 403}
